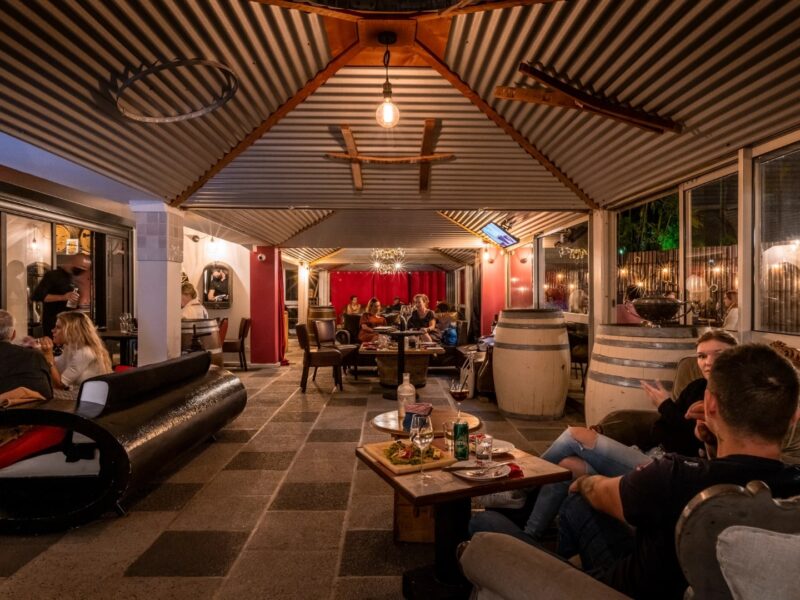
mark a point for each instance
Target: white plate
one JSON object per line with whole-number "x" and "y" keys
{"x": 382, "y": 328}
{"x": 491, "y": 474}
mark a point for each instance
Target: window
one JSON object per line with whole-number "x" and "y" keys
{"x": 647, "y": 254}
{"x": 520, "y": 277}
{"x": 711, "y": 252}
{"x": 290, "y": 293}
{"x": 565, "y": 284}
{"x": 777, "y": 253}
{"x": 28, "y": 257}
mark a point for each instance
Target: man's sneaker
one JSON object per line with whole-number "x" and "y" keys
{"x": 512, "y": 499}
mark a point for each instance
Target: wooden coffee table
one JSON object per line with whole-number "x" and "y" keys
{"x": 450, "y": 496}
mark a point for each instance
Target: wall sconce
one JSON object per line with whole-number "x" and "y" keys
{"x": 34, "y": 241}
{"x": 303, "y": 268}
{"x": 387, "y": 115}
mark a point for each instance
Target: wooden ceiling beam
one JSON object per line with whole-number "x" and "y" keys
{"x": 591, "y": 103}
{"x": 429, "y": 135}
{"x": 465, "y": 8}
{"x": 390, "y": 160}
{"x": 440, "y": 67}
{"x": 535, "y": 96}
{"x": 313, "y": 84}
{"x": 352, "y": 153}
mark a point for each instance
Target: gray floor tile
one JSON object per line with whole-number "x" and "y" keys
{"x": 221, "y": 513}
{"x": 241, "y": 436}
{"x": 343, "y": 400}
{"x": 368, "y": 588}
{"x": 17, "y": 551}
{"x": 164, "y": 496}
{"x": 264, "y": 461}
{"x": 371, "y": 512}
{"x": 202, "y": 554}
{"x": 376, "y": 553}
{"x": 311, "y": 496}
{"x": 298, "y": 531}
{"x": 285, "y": 416}
{"x": 334, "y": 435}
{"x": 244, "y": 483}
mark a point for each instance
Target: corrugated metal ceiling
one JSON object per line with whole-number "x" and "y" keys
{"x": 728, "y": 70}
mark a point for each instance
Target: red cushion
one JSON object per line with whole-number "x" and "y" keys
{"x": 31, "y": 442}
{"x": 122, "y": 368}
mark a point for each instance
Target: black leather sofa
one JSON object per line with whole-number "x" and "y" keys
{"x": 124, "y": 429}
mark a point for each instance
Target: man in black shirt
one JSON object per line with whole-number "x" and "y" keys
{"x": 750, "y": 402}
{"x": 57, "y": 288}
{"x": 19, "y": 366}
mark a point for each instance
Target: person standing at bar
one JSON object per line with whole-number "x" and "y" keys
{"x": 57, "y": 291}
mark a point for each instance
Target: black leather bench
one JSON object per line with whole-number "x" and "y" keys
{"x": 124, "y": 428}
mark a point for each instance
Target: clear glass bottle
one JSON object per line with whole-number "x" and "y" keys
{"x": 406, "y": 394}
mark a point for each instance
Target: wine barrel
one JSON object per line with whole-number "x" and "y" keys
{"x": 208, "y": 337}
{"x": 531, "y": 363}
{"x": 314, "y": 313}
{"x": 623, "y": 356}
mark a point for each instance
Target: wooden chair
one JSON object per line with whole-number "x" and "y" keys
{"x": 223, "y": 329}
{"x": 328, "y": 337}
{"x": 238, "y": 344}
{"x": 317, "y": 357}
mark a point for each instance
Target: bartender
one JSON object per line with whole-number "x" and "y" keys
{"x": 58, "y": 291}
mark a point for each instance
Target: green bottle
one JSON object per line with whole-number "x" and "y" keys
{"x": 461, "y": 440}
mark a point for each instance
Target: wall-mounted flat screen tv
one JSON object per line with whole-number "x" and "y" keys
{"x": 499, "y": 235}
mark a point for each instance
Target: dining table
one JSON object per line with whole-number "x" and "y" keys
{"x": 451, "y": 497}
{"x": 128, "y": 341}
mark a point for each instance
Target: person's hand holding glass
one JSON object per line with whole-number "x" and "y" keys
{"x": 422, "y": 437}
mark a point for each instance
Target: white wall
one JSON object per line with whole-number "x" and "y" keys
{"x": 196, "y": 255}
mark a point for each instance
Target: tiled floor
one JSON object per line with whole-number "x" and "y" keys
{"x": 276, "y": 507}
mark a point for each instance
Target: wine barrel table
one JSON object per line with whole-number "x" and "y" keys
{"x": 207, "y": 336}
{"x": 531, "y": 363}
{"x": 623, "y": 356}
{"x": 318, "y": 312}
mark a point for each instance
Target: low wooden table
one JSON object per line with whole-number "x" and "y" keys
{"x": 450, "y": 496}
{"x": 389, "y": 423}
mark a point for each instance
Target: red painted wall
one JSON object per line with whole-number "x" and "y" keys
{"x": 264, "y": 305}
{"x": 493, "y": 289}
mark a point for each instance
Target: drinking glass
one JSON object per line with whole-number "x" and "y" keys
{"x": 459, "y": 392}
{"x": 483, "y": 450}
{"x": 447, "y": 426}
{"x": 422, "y": 437}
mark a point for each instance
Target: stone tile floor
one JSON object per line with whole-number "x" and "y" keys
{"x": 276, "y": 507}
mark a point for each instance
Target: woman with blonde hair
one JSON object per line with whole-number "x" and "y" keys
{"x": 422, "y": 318}
{"x": 191, "y": 307}
{"x": 83, "y": 355}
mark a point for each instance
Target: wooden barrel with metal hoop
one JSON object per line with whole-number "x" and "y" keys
{"x": 531, "y": 363}
{"x": 314, "y": 313}
{"x": 207, "y": 337}
{"x": 623, "y": 356}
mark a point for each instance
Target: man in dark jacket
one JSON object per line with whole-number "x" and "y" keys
{"x": 750, "y": 402}
{"x": 57, "y": 290}
{"x": 20, "y": 366}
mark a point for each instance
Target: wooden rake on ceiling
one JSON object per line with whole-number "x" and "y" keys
{"x": 425, "y": 158}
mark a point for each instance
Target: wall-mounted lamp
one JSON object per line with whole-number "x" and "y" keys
{"x": 34, "y": 241}
{"x": 387, "y": 115}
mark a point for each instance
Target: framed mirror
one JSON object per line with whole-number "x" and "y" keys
{"x": 217, "y": 286}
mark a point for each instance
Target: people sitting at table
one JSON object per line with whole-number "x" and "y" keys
{"x": 21, "y": 367}
{"x": 623, "y": 527}
{"x": 191, "y": 307}
{"x": 731, "y": 302}
{"x": 370, "y": 320}
{"x": 353, "y": 307}
{"x": 422, "y": 318}
{"x": 83, "y": 355}
{"x": 583, "y": 450}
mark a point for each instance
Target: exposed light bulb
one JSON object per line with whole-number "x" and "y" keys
{"x": 376, "y": 264}
{"x": 398, "y": 266}
{"x": 387, "y": 115}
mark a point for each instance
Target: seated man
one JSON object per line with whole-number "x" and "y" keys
{"x": 21, "y": 367}
{"x": 750, "y": 402}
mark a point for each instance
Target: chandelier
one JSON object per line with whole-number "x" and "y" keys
{"x": 387, "y": 261}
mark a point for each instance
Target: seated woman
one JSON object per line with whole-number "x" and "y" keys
{"x": 370, "y": 320}
{"x": 191, "y": 307}
{"x": 422, "y": 318}
{"x": 584, "y": 451}
{"x": 353, "y": 307}
{"x": 83, "y": 356}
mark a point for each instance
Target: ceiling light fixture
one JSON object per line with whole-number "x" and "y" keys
{"x": 387, "y": 115}
{"x": 387, "y": 261}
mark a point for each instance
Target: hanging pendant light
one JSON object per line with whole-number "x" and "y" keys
{"x": 387, "y": 115}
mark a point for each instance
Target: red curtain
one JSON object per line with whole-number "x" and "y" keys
{"x": 430, "y": 283}
{"x": 386, "y": 287}
{"x": 349, "y": 283}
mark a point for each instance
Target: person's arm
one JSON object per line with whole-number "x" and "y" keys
{"x": 46, "y": 346}
{"x": 365, "y": 324}
{"x": 601, "y": 492}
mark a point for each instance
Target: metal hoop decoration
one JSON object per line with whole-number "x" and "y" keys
{"x": 228, "y": 91}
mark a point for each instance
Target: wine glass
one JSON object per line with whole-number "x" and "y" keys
{"x": 459, "y": 392}
{"x": 422, "y": 437}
